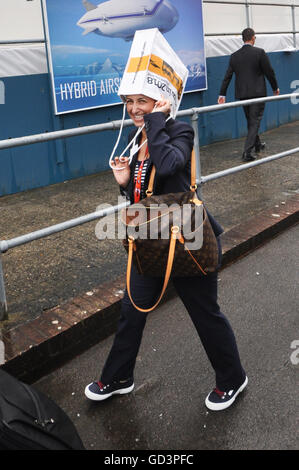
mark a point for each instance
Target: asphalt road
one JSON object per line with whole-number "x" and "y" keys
{"x": 166, "y": 411}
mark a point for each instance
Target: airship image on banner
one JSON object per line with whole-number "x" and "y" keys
{"x": 120, "y": 19}
{"x": 88, "y": 43}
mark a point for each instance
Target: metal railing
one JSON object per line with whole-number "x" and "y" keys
{"x": 22, "y": 41}
{"x": 6, "y": 245}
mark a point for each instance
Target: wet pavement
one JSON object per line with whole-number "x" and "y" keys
{"x": 259, "y": 295}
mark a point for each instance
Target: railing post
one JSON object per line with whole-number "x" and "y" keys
{"x": 194, "y": 123}
{"x": 2, "y": 350}
{"x": 294, "y": 25}
{"x": 3, "y": 303}
{"x": 247, "y": 14}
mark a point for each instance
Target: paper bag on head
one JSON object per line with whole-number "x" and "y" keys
{"x": 154, "y": 69}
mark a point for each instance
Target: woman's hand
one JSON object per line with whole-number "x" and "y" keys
{"x": 163, "y": 105}
{"x": 121, "y": 170}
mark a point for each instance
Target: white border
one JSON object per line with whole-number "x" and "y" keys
{"x": 48, "y": 52}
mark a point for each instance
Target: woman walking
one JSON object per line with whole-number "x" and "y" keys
{"x": 168, "y": 148}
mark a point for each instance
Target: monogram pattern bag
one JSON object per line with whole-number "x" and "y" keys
{"x": 169, "y": 235}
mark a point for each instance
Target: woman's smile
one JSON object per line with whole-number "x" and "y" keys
{"x": 138, "y": 106}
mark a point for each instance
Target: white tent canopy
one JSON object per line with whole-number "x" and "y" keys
{"x": 30, "y": 59}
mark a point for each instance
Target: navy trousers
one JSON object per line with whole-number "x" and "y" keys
{"x": 199, "y": 295}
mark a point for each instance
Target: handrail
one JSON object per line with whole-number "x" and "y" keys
{"x": 113, "y": 125}
{"x": 5, "y": 245}
{"x": 22, "y": 41}
{"x": 245, "y": 166}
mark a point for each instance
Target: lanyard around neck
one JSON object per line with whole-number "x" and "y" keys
{"x": 137, "y": 188}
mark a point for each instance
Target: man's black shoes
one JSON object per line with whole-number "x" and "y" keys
{"x": 247, "y": 157}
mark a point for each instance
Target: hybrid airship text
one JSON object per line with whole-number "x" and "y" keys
{"x": 84, "y": 89}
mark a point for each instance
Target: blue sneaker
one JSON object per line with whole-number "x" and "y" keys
{"x": 98, "y": 391}
{"x": 218, "y": 400}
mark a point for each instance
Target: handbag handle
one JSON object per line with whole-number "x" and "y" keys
{"x": 173, "y": 238}
{"x": 193, "y": 185}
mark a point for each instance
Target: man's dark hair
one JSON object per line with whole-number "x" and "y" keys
{"x": 247, "y": 34}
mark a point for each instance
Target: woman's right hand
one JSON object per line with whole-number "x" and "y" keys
{"x": 121, "y": 170}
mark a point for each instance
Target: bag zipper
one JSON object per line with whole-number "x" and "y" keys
{"x": 40, "y": 421}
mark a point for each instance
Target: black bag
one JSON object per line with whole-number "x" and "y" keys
{"x": 31, "y": 421}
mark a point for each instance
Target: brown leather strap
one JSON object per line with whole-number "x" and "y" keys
{"x": 149, "y": 190}
{"x": 193, "y": 185}
{"x": 174, "y": 235}
{"x": 182, "y": 240}
{"x": 197, "y": 264}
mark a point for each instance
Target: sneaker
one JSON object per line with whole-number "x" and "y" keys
{"x": 247, "y": 157}
{"x": 98, "y": 391}
{"x": 217, "y": 400}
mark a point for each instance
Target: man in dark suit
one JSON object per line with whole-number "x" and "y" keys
{"x": 251, "y": 65}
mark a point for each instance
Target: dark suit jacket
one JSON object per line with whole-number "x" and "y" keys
{"x": 170, "y": 144}
{"x": 251, "y": 65}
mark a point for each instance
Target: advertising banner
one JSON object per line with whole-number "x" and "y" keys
{"x": 88, "y": 45}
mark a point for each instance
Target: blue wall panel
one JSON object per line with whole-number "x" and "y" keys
{"x": 28, "y": 110}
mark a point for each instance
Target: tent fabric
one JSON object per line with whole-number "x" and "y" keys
{"x": 23, "y": 60}
{"x": 26, "y": 59}
{"x": 226, "y": 45}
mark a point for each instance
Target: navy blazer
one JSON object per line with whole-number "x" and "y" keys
{"x": 170, "y": 145}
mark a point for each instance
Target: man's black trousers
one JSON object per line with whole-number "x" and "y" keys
{"x": 253, "y": 113}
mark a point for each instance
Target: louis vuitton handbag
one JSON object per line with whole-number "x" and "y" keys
{"x": 169, "y": 235}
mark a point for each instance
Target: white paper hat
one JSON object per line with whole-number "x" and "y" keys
{"x": 154, "y": 69}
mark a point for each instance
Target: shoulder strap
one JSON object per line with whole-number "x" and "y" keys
{"x": 193, "y": 185}
{"x": 174, "y": 235}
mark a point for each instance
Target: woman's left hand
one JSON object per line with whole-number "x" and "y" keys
{"x": 163, "y": 105}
